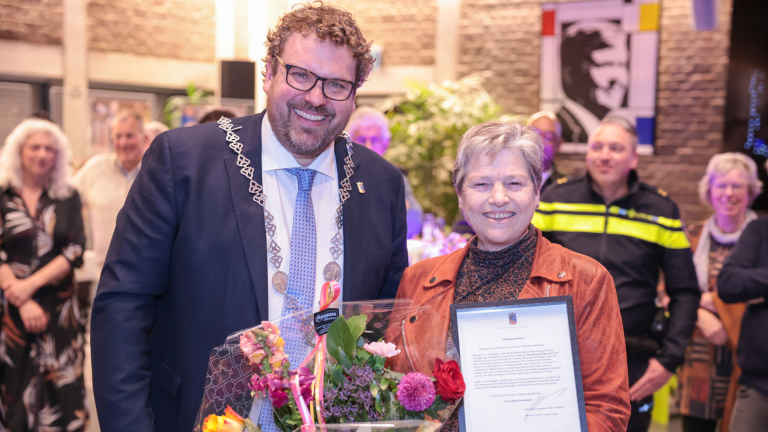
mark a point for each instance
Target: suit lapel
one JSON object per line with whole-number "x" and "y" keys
{"x": 356, "y": 216}
{"x": 248, "y": 213}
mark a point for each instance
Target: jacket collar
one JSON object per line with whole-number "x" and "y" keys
{"x": 548, "y": 264}
{"x": 633, "y": 185}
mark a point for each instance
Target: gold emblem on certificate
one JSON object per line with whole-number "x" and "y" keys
{"x": 332, "y": 272}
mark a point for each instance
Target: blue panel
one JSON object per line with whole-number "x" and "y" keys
{"x": 645, "y": 129}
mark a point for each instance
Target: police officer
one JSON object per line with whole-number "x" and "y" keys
{"x": 634, "y": 230}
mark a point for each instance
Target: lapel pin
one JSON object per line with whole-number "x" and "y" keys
{"x": 360, "y": 187}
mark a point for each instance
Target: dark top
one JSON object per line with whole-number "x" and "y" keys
{"x": 633, "y": 237}
{"x": 28, "y": 244}
{"x": 744, "y": 278}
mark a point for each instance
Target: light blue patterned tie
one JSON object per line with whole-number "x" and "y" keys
{"x": 301, "y": 279}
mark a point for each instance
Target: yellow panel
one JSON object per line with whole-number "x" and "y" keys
{"x": 649, "y": 17}
{"x": 648, "y": 232}
{"x": 572, "y": 207}
{"x": 569, "y": 223}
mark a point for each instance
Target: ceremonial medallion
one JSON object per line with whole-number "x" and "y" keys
{"x": 332, "y": 272}
{"x": 280, "y": 282}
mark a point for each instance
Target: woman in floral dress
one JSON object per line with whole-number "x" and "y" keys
{"x": 41, "y": 242}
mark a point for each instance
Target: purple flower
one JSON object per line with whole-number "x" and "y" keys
{"x": 277, "y": 384}
{"x": 416, "y": 392}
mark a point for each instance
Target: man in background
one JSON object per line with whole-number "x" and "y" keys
{"x": 634, "y": 230}
{"x": 370, "y": 127}
{"x": 551, "y": 132}
{"x": 104, "y": 181}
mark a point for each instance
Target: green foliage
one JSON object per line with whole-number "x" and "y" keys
{"x": 427, "y": 125}
{"x": 343, "y": 337}
{"x": 172, "y": 108}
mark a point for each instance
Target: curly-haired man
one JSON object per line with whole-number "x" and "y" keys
{"x": 240, "y": 221}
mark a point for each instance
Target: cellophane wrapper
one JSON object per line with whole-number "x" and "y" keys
{"x": 229, "y": 371}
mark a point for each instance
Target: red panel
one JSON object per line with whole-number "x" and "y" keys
{"x": 548, "y": 23}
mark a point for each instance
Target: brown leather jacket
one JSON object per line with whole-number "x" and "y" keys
{"x": 602, "y": 353}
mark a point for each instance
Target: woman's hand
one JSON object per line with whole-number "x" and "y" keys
{"x": 34, "y": 317}
{"x": 18, "y": 291}
{"x": 707, "y": 302}
{"x": 712, "y": 327}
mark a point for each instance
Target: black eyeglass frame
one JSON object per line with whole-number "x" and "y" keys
{"x": 317, "y": 78}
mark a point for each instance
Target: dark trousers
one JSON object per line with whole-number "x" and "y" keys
{"x": 750, "y": 414}
{"x": 695, "y": 424}
{"x": 640, "y": 413}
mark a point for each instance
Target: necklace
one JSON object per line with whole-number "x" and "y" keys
{"x": 332, "y": 270}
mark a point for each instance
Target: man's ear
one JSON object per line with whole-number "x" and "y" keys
{"x": 268, "y": 77}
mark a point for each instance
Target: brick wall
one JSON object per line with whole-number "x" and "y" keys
{"x": 37, "y": 21}
{"x": 502, "y": 38}
{"x": 404, "y": 28}
{"x": 181, "y": 29}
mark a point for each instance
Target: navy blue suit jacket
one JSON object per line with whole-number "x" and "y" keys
{"x": 187, "y": 266}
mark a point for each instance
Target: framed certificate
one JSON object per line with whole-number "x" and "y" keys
{"x": 520, "y": 361}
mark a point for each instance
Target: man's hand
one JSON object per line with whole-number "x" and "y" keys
{"x": 653, "y": 379}
{"x": 34, "y": 317}
{"x": 712, "y": 327}
{"x": 18, "y": 291}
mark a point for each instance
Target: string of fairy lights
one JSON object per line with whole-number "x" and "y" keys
{"x": 756, "y": 87}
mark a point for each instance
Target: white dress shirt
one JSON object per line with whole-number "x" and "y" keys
{"x": 281, "y": 189}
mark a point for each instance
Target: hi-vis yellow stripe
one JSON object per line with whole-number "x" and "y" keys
{"x": 651, "y": 232}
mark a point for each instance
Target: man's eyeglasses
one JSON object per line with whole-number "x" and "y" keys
{"x": 304, "y": 80}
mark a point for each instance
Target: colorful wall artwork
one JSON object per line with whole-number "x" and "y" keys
{"x": 600, "y": 58}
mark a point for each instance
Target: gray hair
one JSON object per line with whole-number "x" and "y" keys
{"x": 550, "y": 115}
{"x": 622, "y": 123}
{"x": 490, "y": 139}
{"x": 365, "y": 116}
{"x": 60, "y": 184}
{"x": 129, "y": 113}
{"x": 723, "y": 163}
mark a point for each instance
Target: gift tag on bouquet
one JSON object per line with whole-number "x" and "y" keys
{"x": 324, "y": 319}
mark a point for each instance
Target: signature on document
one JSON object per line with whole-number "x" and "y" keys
{"x": 541, "y": 398}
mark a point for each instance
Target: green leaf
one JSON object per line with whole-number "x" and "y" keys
{"x": 378, "y": 403}
{"x": 362, "y": 356}
{"x": 384, "y": 382}
{"x": 360, "y": 342}
{"x": 344, "y": 360}
{"x": 251, "y": 427}
{"x": 357, "y": 326}
{"x": 339, "y": 338}
{"x": 337, "y": 375}
{"x": 374, "y": 389}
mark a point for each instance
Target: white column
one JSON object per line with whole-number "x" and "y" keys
{"x": 76, "y": 110}
{"x": 264, "y": 15}
{"x": 447, "y": 40}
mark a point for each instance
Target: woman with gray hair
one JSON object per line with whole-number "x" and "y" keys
{"x": 497, "y": 175}
{"x": 41, "y": 242}
{"x": 729, "y": 187}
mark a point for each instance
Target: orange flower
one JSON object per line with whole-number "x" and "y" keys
{"x": 229, "y": 422}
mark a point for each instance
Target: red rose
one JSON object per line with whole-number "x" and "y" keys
{"x": 449, "y": 382}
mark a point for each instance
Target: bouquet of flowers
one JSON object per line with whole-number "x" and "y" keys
{"x": 341, "y": 386}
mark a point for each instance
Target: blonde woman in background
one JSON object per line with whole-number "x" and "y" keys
{"x": 41, "y": 242}
{"x": 729, "y": 187}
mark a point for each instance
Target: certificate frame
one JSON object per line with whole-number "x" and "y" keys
{"x": 566, "y": 300}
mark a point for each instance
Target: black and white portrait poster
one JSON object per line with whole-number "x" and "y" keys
{"x": 600, "y": 58}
